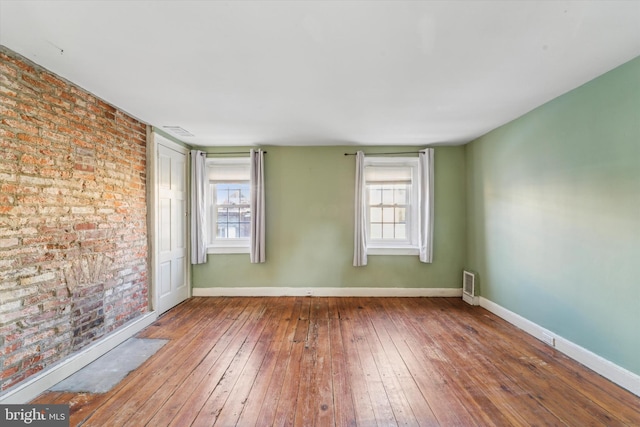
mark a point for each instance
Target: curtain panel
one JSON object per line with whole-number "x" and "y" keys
{"x": 425, "y": 170}
{"x": 360, "y": 218}
{"x": 257, "y": 251}
{"x": 198, "y": 207}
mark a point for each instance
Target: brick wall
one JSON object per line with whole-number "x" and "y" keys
{"x": 73, "y": 237}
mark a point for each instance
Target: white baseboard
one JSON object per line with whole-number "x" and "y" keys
{"x": 32, "y": 387}
{"x": 617, "y": 374}
{"x": 472, "y": 300}
{"x": 327, "y": 292}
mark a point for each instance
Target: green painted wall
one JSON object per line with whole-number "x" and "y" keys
{"x": 310, "y": 193}
{"x": 553, "y": 215}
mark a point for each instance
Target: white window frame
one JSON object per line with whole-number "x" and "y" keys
{"x": 409, "y": 246}
{"x": 225, "y": 246}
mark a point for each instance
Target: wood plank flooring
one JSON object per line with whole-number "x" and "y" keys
{"x": 297, "y": 361}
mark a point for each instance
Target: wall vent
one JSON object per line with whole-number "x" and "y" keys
{"x": 469, "y": 288}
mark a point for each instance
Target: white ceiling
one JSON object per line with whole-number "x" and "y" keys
{"x": 325, "y": 72}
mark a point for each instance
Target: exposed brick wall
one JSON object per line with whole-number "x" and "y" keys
{"x": 73, "y": 236}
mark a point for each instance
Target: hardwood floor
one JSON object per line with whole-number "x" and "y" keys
{"x": 346, "y": 362}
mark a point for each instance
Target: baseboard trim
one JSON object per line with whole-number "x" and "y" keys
{"x": 327, "y": 292}
{"x": 32, "y": 387}
{"x": 617, "y": 374}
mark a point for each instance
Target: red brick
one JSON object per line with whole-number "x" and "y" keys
{"x": 8, "y": 70}
{"x": 85, "y": 226}
{"x": 50, "y": 78}
{"x": 6, "y": 134}
{"x": 40, "y": 161}
{"x": 6, "y": 373}
{"x": 20, "y": 125}
{"x": 34, "y": 370}
{"x": 83, "y": 168}
{"x": 71, "y": 164}
{"x": 8, "y": 112}
{"x": 30, "y": 81}
{"x": 18, "y": 63}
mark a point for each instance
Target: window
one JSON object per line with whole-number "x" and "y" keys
{"x": 392, "y": 205}
{"x": 229, "y": 197}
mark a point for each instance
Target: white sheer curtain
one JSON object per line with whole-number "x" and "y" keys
{"x": 425, "y": 170}
{"x": 198, "y": 207}
{"x": 257, "y": 254}
{"x": 360, "y": 235}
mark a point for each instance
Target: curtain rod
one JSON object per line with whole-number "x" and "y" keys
{"x": 384, "y": 154}
{"x": 230, "y": 152}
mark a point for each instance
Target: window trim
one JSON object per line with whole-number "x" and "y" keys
{"x": 225, "y": 246}
{"x": 411, "y": 247}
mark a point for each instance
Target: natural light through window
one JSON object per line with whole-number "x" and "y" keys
{"x": 388, "y": 211}
{"x": 229, "y": 205}
{"x": 233, "y": 213}
{"x": 392, "y": 199}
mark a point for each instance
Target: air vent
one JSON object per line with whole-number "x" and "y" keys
{"x": 177, "y": 130}
{"x": 469, "y": 288}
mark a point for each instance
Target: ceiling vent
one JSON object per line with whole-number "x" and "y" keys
{"x": 177, "y": 130}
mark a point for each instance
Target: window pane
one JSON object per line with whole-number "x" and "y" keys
{"x": 400, "y": 195}
{"x": 376, "y": 215}
{"x": 387, "y": 214}
{"x": 234, "y": 214}
{"x": 391, "y": 201}
{"x": 234, "y": 196}
{"x": 222, "y": 196}
{"x": 245, "y": 230}
{"x": 245, "y": 195}
{"x": 387, "y": 196}
{"x": 222, "y": 231}
{"x": 245, "y": 213}
{"x": 233, "y": 231}
{"x": 376, "y": 231}
{"x": 375, "y": 195}
{"x": 230, "y": 196}
{"x": 387, "y": 231}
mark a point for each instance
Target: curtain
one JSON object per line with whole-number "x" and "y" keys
{"x": 198, "y": 207}
{"x": 425, "y": 171}
{"x": 257, "y": 254}
{"x": 360, "y": 234}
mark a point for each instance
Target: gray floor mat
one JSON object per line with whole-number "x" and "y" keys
{"x": 108, "y": 370}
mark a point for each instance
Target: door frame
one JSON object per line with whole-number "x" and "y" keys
{"x": 155, "y": 140}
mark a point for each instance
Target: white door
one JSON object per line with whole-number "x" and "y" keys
{"x": 172, "y": 281}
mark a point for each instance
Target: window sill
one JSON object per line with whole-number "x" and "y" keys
{"x": 228, "y": 250}
{"x": 403, "y": 250}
